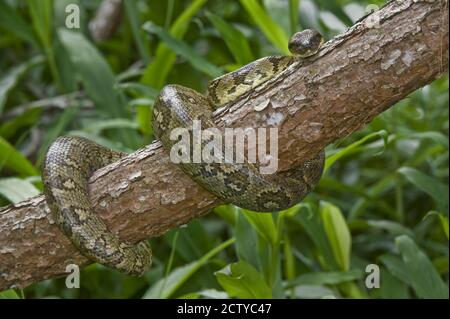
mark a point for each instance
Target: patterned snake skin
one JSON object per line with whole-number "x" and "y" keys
{"x": 70, "y": 161}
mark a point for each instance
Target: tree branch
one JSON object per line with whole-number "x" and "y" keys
{"x": 354, "y": 78}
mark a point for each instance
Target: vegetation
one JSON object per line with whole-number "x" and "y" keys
{"x": 383, "y": 199}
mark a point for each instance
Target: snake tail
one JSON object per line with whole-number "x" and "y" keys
{"x": 69, "y": 163}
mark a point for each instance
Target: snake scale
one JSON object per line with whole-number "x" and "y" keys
{"x": 70, "y": 161}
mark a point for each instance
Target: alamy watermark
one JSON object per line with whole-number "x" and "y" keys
{"x": 73, "y": 278}
{"x": 211, "y": 145}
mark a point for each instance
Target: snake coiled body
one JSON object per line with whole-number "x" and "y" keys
{"x": 70, "y": 161}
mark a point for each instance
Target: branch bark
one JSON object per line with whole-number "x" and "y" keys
{"x": 354, "y": 78}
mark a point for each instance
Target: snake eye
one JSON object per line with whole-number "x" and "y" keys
{"x": 305, "y": 43}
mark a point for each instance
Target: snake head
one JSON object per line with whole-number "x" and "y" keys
{"x": 305, "y": 43}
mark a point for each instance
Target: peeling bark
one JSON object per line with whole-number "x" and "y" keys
{"x": 354, "y": 78}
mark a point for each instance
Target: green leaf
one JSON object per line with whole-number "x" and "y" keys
{"x": 234, "y": 39}
{"x": 156, "y": 72}
{"x": 293, "y": 15}
{"x": 244, "y": 281}
{"x": 436, "y": 137}
{"x": 326, "y": 278}
{"x": 390, "y": 226}
{"x": 443, "y": 219}
{"x": 181, "y": 48}
{"x": 166, "y": 287}
{"x": 415, "y": 269}
{"x": 433, "y": 187}
{"x": 96, "y": 75}
{"x": 246, "y": 241}
{"x": 58, "y": 125}
{"x": 14, "y": 160}
{"x": 9, "y": 294}
{"x": 98, "y": 81}
{"x": 14, "y": 23}
{"x": 98, "y": 126}
{"x": 338, "y": 233}
{"x": 313, "y": 226}
{"x": 12, "y": 77}
{"x": 274, "y": 33}
{"x": 264, "y": 225}
{"x": 20, "y": 122}
{"x": 353, "y": 147}
{"x": 132, "y": 13}
{"x": 42, "y": 18}
{"x": 16, "y": 189}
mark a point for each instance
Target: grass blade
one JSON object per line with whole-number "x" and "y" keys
{"x": 433, "y": 187}
{"x": 273, "y": 32}
{"x": 132, "y": 13}
{"x": 156, "y": 72}
{"x": 14, "y": 160}
{"x": 181, "y": 48}
{"x": 234, "y": 39}
{"x": 166, "y": 287}
{"x": 16, "y": 189}
{"x": 12, "y": 77}
{"x": 353, "y": 147}
{"x": 14, "y": 23}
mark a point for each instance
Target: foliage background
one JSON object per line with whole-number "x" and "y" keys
{"x": 383, "y": 199}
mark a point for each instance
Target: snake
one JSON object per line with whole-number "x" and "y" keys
{"x": 71, "y": 160}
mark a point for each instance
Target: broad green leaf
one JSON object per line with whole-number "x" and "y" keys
{"x": 396, "y": 267}
{"x": 313, "y": 226}
{"x": 96, "y": 75}
{"x": 244, "y": 281}
{"x": 325, "y": 278}
{"x": 166, "y": 287}
{"x": 443, "y": 220}
{"x": 9, "y": 294}
{"x": 274, "y": 33}
{"x": 415, "y": 269}
{"x": 181, "y": 48}
{"x": 246, "y": 241}
{"x": 433, "y": 187}
{"x": 264, "y": 225}
{"x": 234, "y": 39}
{"x": 352, "y": 147}
{"x": 98, "y": 81}
{"x": 391, "y": 287}
{"x": 12, "y": 77}
{"x": 16, "y": 189}
{"x": 14, "y": 160}
{"x": 156, "y": 72}
{"x": 227, "y": 213}
{"x": 338, "y": 233}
